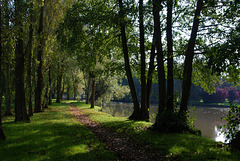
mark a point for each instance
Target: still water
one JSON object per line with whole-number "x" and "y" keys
{"x": 207, "y": 119}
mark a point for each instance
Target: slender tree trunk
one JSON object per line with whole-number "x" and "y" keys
{"x": 187, "y": 73}
{"x": 20, "y": 104}
{"x": 46, "y": 97}
{"x": 170, "y": 85}
{"x": 68, "y": 93}
{"x": 8, "y": 89}
{"x": 160, "y": 62}
{"x": 39, "y": 89}
{"x": 62, "y": 92}
{"x": 136, "y": 107}
{"x": 93, "y": 91}
{"x": 2, "y": 135}
{"x": 29, "y": 54}
{"x": 88, "y": 90}
{"x": 59, "y": 85}
{"x": 150, "y": 73}
{"x": 144, "y": 110}
{"x": 50, "y": 87}
{"x": 8, "y": 66}
{"x": 74, "y": 89}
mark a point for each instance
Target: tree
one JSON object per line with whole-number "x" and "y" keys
{"x": 29, "y": 52}
{"x": 136, "y": 106}
{"x": 20, "y": 105}
{"x": 2, "y": 136}
{"x": 39, "y": 88}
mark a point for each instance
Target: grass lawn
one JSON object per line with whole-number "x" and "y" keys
{"x": 53, "y": 135}
{"x": 175, "y": 146}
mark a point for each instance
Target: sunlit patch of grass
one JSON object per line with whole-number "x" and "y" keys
{"x": 52, "y": 135}
{"x": 171, "y": 146}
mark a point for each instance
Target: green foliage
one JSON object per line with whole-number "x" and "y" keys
{"x": 52, "y": 135}
{"x": 233, "y": 122}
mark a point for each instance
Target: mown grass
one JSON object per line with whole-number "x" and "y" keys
{"x": 171, "y": 146}
{"x": 53, "y": 135}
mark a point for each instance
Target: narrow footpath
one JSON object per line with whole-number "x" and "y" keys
{"x": 123, "y": 147}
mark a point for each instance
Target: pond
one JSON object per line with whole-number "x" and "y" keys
{"x": 207, "y": 119}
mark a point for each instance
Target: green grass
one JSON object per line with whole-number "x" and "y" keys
{"x": 172, "y": 146}
{"x": 52, "y": 135}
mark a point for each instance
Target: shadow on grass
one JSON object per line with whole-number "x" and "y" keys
{"x": 51, "y": 136}
{"x": 170, "y": 146}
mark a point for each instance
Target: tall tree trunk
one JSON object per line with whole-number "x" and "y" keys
{"x": 170, "y": 85}
{"x": 46, "y": 98}
{"x": 136, "y": 108}
{"x": 160, "y": 62}
{"x": 39, "y": 89}
{"x": 187, "y": 73}
{"x": 50, "y": 87}
{"x": 88, "y": 90}
{"x": 74, "y": 89}
{"x": 68, "y": 93}
{"x": 150, "y": 73}
{"x": 59, "y": 85}
{"x": 8, "y": 88}
{"x": 20, "y": 104}
{"x": 8, "y": 52}
{"x": 62, "y": 92}
{"x": 2, "y": 135}
{"x": 144, "y": 110}
{"x": 29, "y": 54}
{"x": 93, "y": 91}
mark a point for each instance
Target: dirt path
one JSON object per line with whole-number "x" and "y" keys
{"x": 122, "y": 146}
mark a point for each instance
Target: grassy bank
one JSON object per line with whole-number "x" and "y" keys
{"x": 174, "y": 146}
{"x": 52, "y": 135}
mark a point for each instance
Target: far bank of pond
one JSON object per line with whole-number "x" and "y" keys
{"x": 207, "y": 119}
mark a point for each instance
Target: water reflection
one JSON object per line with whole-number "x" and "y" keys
{"x": 207, "y": 119}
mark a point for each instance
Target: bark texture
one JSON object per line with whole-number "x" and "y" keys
{"x": 20, "y": 104}
{"x": 170, "y": 85}
{"x": 136, "y": 107}
{"x": 39, "y": 89}
{"x": 144, "y": 114}
{"x": 187, "y": 73}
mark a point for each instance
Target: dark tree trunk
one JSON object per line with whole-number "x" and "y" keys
{"x": 93, "y": 91}
{"x": 39, "y": 89}
{"x": 74, "y": 89}
{"x": 45, "y": 105}
{"x": 187, "y": 73}
{"x": 2, "y": 136}
{"x": 170, "y": 85}
{"x": 160, "y": 62}
{"x": 29, "y": 54}
{"x": 136, "y": 107}
{"x": 88, "y": 90}
{"x": 150, "y": 73}
{"x": 50, "y": 87}
{"x": 59, "y": 85}
{"x": 68, "y": 93}
{"x": 20, "y": 104}
{"x": 8, "y": 88}
{"x": 62, "y": 92}
{"x": 144, "y": 110}
{"x": 8, "y": 66}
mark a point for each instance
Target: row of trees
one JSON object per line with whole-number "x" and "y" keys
{"x": 31, "y": 63}
{"x": 158, "y": 41}
{"x": 193, "y": 41}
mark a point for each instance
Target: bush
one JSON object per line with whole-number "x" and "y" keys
{"x": 232, "y": 127}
